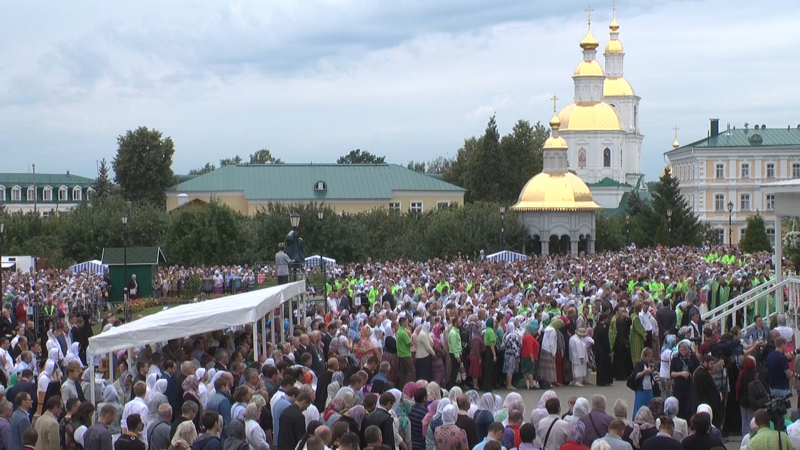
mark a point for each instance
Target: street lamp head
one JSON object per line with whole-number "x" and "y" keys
{"x": 730, "y": 206}
{"x": 669, "y": 212}
{"x": 294, "y": 218}
{"x": 321, "y": 214}
{"x": 502, "y": 210}
{"x": 627, "y": 217}
{"x": 125, "y": 219}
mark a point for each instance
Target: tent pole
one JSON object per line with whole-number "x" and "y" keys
{"x": 91, "y": 386}
{"x": 264, "y": 337}
{"x": 272, "y": 323}
{"x": 111, "y": 367}
{"x": 255, "y": 340}
{"x": 283, "y": 314}
{"x": 291, "y": 318}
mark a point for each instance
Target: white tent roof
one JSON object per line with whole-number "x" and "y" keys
{"x": 196, "y": 318}
{"x": 315, "y": 260}
{"x": 507, "y": 256}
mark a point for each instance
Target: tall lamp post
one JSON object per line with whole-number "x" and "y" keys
{"x": 669, "y": 227}
{"x": 2, "y": 231}
{"x": 627, "y": 229}
{"x": 126, "y": 305}
{"x": 730, "y": 224}
{"x": 294, "y": 219}
{"x": 321, "y": 217}
{"x": 502, "y": 226}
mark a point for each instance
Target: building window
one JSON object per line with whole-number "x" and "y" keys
{"x": 394, "y": 206}
{"x": 77, "y": 194}
{"x": 2, "y": 193}
{"x": 795, "y": 170}
{"x": 581, "y": 158}
{"x": 746, "y": 170}
{"x": 770, "y": 170}
{"x": 719, "y": 235}
{"x": 719, "y": 202}
{"x": 741, "y": 233}
{"x": 770, "y": 202}
{"x": 63, "y": 194}
{"x": 720, "y": 171}
{"x": 416, "y": 207}
{"x": 607, "y": 157}
{"x": 16, "y": 194}
{"x": 321, "y": 186}
{"x": 47, "y": 194}
{"x": 744, "y": 202}
{"x": 771, "y": 236}
{"x": 45, "y": 214}
{"x": 31, "y": 193}
{"x": 442, "y": 205}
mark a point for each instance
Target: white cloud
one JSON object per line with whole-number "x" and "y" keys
{"x": 411, "y": 80}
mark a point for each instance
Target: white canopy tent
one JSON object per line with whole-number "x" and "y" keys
{"x": 198, "y": 318}
{"x": 507, "y": 256}
{"x": 315, "y": 261}
{"x": 94, "y": 266}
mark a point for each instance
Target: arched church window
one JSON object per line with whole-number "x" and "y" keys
{"x": 607, "y": 157}
{"x": 581, "y": 158}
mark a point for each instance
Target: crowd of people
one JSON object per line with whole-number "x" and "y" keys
{"x": 407, "y": 356}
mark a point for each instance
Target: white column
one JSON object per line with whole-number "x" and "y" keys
{"x": 272, "y": 316}
{"x": 778, "y": 266}
{"x": 545, "y": 246}
{"x": 573, "y": 246}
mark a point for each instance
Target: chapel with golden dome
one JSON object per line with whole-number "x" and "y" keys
{"x": 556, "y": 206}
{"x": 601, "y": 125}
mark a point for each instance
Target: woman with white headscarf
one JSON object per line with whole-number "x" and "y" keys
{"x": 546, "y": 369}
{"x": 580, "y": 409}
{"x": 484, "y": 415}
{"x": 436, "y": 422}
{"x": 541, "y": 412}
{"x": 671, "y": 410}
{"x": 474, "y": 398}
{"x": 512, "y": 402}
{"x": 448, "y": 436}
{"x": 111, "y": 397}
{"x": 512, "y": 343}
{"x": 155, "y": 397}
{"x": 202, "y": 389}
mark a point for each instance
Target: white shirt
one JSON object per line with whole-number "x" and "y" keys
{"x": 666, "y": 359}
{"x": 311, "y": 414}
{"x": 646, "y": 319}
{"x": 7, "y": 360}
{"x": 135, "y": 406}
{"x": 558, "y": 435}
{"x": 333, "y": 304}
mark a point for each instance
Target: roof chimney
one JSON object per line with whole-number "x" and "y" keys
{"x": 68, "y": 173}
{"x": 714, "y": 127}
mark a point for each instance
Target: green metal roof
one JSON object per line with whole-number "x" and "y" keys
{"x": 137, "y": 256}
{"x": 44, "y": 179}
{"x": 294, "y": 182}
{"x": 770, "y": 137}
{"x": 608, "y": 182}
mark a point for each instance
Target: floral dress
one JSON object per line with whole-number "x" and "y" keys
{"x": 513, "y": 350}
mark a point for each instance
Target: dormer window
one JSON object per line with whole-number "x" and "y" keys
{"x": 321, "y": 186}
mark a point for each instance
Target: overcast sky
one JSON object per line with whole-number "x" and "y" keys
{"x": 408, "y": 79}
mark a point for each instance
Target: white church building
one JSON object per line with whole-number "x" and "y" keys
{"x": 601, "y": 126}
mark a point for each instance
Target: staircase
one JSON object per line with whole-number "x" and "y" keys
{"x": 786, "y": 295}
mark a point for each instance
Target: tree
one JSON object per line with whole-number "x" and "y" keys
{"x": 143, "y": 165}
{"x": 755, "y": 236}
{"x": 212, "y": 234}
{"x": 459, "y": 170}
{"x": 230, "y": 161}
{"x": 520, "y": 157}
{"x": 358, "y": 157}
{"x": 103, "y": 185}
{"x": 264, "y": 156}
{"x": 485, "y": 178}
{"x": 639, "y": 214}
{"x": 434, "y": 166}
{"x": 685, "y": 229}
{"x": 609, "y": 232}
{"x": 203, "y": 170}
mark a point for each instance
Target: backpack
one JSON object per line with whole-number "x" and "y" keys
{"x": 757, "y": 394}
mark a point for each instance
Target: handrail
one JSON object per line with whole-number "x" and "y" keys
{"x": 763, "y": 290}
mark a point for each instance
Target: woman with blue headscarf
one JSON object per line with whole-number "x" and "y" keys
{"x": 665, "y": 381}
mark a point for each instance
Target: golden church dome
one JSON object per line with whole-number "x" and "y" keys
{"x": 597, "y": 116}
{"x": 555, "y": 122}
{"x": 555, "y": 143}
{"x": 676, "y": 144}
{"x": 555, "y": 192}
{"x": 588, "y": 69}
{"x": 614, "y": 46}
{"x": 614, "y": 25}
{"x": 667, "y": 168}
{"x": 617, "y": 87}
{"x": 589, "y": 42}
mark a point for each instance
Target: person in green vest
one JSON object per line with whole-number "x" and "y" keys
{"x": 406, "y": 370}
{"x": 638, "y": 335}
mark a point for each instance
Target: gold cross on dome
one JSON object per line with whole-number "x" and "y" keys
{"x": 675, "y": 129}
{"x": 554, "y": 99}
{"x": 589, "y": 15}
{"x": 614, "y": 7}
